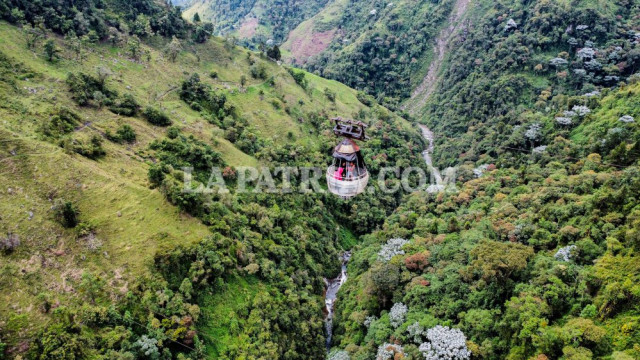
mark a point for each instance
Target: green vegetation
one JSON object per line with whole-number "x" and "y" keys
{"x": 105, "y": 255}
{"x": 156, "y": 117}
{"x": 275, "y": 17}
{"x": 533, "y": 260}
{"x": 125, "y": 266}
{"x": 503, "y": 79}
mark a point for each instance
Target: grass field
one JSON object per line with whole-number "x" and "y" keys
{"x": 129, "y": 220}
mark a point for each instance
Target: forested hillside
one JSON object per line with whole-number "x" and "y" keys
{"x": 519, "y": 65}
{"x": 102, "y": 255}
{"x": 537, "y": 259}
{"x": 383, "y": 48}
{"x": 257, "y": 21}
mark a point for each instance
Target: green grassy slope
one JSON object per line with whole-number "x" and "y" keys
{"x": 130, "y": 221}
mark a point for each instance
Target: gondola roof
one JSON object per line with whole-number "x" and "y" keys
{"x": 347, "y": 146}
{"x": 347, "y": 150}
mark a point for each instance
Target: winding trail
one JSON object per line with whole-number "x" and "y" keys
{"x": 428, "y": 85}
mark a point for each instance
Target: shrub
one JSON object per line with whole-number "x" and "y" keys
{"x": 330, "y": 94}
{"x": 259, "y": 71}
{"x": 125, "y": 133}
{"x": 66, "y": 213}
{"x": 365, "y": 99}
{"x": 200, "y": 97}
{"x": 126, "y": 106}
{"x": 62, "y": 121}
{"x": 92, "y": 150}
{"x": 173, "y": 132}
{"x": 299, "y": 77}
{"x": 9, "y": 243}
{"x": 83, "y": 87}
{"x": 156, "y": 117}
{"x": 156, "y": 174}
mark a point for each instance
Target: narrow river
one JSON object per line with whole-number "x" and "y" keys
{"x": 333, "y": 285}
{"x": 436, "y": 178}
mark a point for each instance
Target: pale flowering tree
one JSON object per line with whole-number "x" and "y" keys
{"x": 511, "y": 25}
{"x": 540, "y": 149}
{"x": 565, "y": 253}
{"x": 392, "y": 248}
{"x": 565, "y": 121}
{"x": 626, "y": 119}
{"x": 417, "y": 332}
{"x": 388, "y": 351}
{"x": 445, "y": 343}
{"x": 480, "y": 170}
{"x": 581, "y": 110}
{"x": 533, "y": 132}
{"x": 580, "y": 72}
{"x": 148, "y": 346}
{"x": 397, "y": 314}
{"x": 558, "y": 62}
{"x": 339, "y": 355}
{"x": 586, "y": 53}
{"x": 593, "y": 65}
{"x": 369, "y": 320}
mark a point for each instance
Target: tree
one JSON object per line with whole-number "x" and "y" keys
{"x": 32, "y": 36}
{"x": 134, "y": 48}
{"x": 397, "y": 314}
{"x": 202, "y": 32}
{"x": 186, "y": 288}
{"x": 91, "y": 286}
{"x": 173, "y": 49}
{"x": 77, "y": 47}
{"x": 196, "y": 18}
{"x": 496, "y": 261}
{"x": 141, "y": 26}
{"x": 445, "y": 343}
{"x": 51, "y": 51}
{"x": 103, "y": 73}
{"x": 274, "y": 53}
{"x": 392, "y": 248}
{"x": 243, "y": 81}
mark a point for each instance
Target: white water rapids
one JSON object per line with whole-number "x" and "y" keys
{"x": 436, "y": 184}
{"x": 333, "y": 285}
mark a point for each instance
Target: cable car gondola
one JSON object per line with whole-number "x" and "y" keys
{"x": 348, "y": 175}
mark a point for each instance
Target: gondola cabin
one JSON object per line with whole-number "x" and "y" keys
{"x": 348, "y": 175}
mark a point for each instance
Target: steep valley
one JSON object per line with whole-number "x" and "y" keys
{"x": 115, "y": 115}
